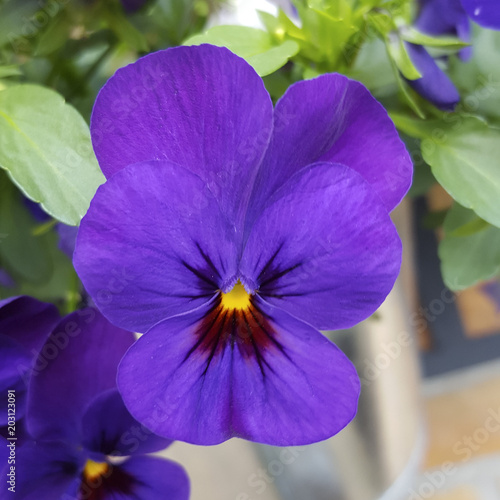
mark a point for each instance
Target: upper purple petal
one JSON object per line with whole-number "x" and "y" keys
{"x": 441, "y": 17}
{"x": 201, "y": 107}
{"x": 434, "y": 85}
{"x": 332, "y": 118}
{"x": 44, "y": 471}
{"x": 324, "y": 249}
{"x": 77, "y": 363}
{"x": 108, "y": 428}
{"x": 28, "y": 321}
{"x": 15, "y": 368}
{"x": 445, "y": 17}
{"x": 153, "y": 244}
{"x": 484, "y": 12}
{"x": 258, "y": 374}
{"x": 25, "y": 324}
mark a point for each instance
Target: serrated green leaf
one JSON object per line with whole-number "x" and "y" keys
{"x": 45, "y": 147}
{"x": 257, "y": 47}
{"x": 468, "y": 257}
{"x": 464, "y": 159}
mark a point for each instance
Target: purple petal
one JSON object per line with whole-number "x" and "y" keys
{"x": 28, "y": 321}
{"x": 258, "y": 374}
{"x": 325, "y": 249}
{"x": 201, "y": 107}
{"x": 109, "y": 428}
{"x": 154, "y": 479}
{"x": 43, "y": 471}
{"x": 15, "y": 367}
{"x": 76, "y": 364}
{"x": 332, "y": 118}
{"x": 484, "y": 12}
{"x": 441, "y": 17}
{"x": 133, "y": 5}
{"x": 5, "y": 279}
{"x": 67, "y": 238}
{"x": 434, "y": 85}
{"x": 25, "y": 324}
{"x": 153, "y": 244}
{"x": 445, "y": 17}
{"x": 4, "y": 454}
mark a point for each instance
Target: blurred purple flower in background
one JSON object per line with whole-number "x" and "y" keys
{"x": 447, "y": 17}
{"x": 25, "y": 324}
{"x": 241, "y": 230}
{"x": 133, "y": 5}
{"x": 79, "y": 425}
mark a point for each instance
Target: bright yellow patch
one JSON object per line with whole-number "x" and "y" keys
{"x": 93, "y": 470}
{"x": 237, "y": 298}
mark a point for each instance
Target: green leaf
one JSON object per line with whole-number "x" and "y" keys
{"x": 55, "y": 36}
{"x": 10, "y": 70}
{"x": 45, "y": 147}
{"x": 399, "y": 54}
{"x": 468, "y": 257}
{"x": 464, "y": 155}
{"x": 113, "y": 14}
{"x": 326, "y": 35}
{"x": 257, "y": 47}
{"x": 412, "y": 35}
{"x": 22, "y": 254}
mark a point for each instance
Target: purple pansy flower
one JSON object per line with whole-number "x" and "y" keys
{"x": 25, "y": 324}
{"x": 447, "y": 17}
{"x": 231, "y": 232}
{"x": 77, "y": 420}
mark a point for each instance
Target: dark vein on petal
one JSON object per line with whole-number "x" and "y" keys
{"x": 217, "y": 338}
{"x": 199, "y": 275}
{"x": 281, "y": 295}
{"x": 280, "y": 274}
{"x": 203, "y": 336}
{"x": 260, "y": 358}
{"x": 268, "y": 334}
{"x": 208, "y": 260}
{"x": 270, "y": 262}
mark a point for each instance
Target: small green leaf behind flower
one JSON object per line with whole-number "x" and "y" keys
{"x": 470, "y": 249}
{"x": 257, "y": 47}
{"x": 46, "y": 149}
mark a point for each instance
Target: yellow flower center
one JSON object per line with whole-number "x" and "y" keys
{"x": 237, "y": 298}
{"x": 93, "y": 470}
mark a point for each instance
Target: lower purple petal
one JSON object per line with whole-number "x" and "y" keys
{"x": 155, "y": 479}
{"x": 258, "y": 374}
{"x": 28, "y": 321}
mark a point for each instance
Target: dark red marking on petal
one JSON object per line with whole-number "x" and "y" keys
{"x": 249, "y": 330}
